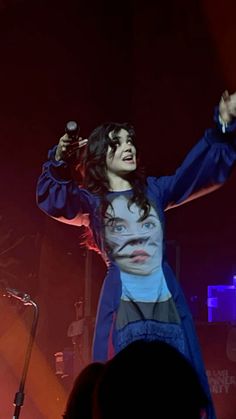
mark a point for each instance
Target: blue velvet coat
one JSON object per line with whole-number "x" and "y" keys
{"x": 205, "y": 168}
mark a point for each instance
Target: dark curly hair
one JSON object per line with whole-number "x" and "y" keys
{"x": 94, "y": 170}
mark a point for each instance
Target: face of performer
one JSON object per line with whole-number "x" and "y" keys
{"x": 121, "y": 160}
{"x": 135, "y": 245}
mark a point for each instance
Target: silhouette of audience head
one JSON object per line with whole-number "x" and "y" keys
{"x": 149, "y": 380}
{"x": 79, "y": 403}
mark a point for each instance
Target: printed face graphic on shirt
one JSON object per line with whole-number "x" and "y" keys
{"x": 135, "y": 245}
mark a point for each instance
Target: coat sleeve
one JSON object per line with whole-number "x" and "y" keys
{"x": 59, "y": 196}
{"x": 205, "y": 168}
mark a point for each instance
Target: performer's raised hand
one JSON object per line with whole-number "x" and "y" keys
{"x": 68, "y": 146}
{"x": 227, "y": 107}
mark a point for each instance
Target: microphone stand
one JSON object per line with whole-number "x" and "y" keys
{"x": 19, "y": 396}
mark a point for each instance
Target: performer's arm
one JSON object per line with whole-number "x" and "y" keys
{"x": 58, "y": 194}
{"x": 208, "y": 165}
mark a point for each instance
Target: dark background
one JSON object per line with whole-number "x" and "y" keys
{"x": 161, "y": 66}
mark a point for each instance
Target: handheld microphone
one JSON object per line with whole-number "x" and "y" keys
{"x": 72, "y": 129}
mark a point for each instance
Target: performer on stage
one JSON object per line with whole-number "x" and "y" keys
{"x": 124, "y": 213}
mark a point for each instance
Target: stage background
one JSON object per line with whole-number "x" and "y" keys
{"x": 159, "y": 65}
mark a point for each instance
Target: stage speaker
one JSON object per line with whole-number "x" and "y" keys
{"x": 218, "y": 344}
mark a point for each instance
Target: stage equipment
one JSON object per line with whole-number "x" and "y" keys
{"x": 26, "y": 300}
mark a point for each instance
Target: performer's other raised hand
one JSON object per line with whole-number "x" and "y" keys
{"x": 227, "y": 107}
